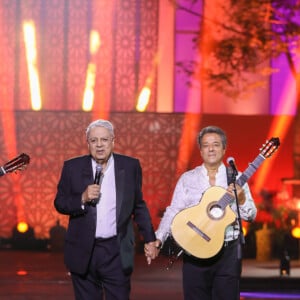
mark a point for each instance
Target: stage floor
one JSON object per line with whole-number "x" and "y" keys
{"x": 30, "y": 275}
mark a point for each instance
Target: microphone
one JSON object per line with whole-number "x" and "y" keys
{"x": 97, "y": 179}
{"x": 98, "y": 174}
{"x": 230, "y": 161}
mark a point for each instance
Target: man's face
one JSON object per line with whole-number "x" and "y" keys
{"x": 211, "y": 149}
{"x": 100, "y": 144}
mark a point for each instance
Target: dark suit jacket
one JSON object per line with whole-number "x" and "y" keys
{"x": 76, "y": 175}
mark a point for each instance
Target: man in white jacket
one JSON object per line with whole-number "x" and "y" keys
{"x": 217, "y": 277}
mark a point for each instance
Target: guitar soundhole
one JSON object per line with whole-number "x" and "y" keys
{"x": 215, "y": 211}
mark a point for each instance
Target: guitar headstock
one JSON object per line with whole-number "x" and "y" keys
{"x": 270, "y": 147}
{"x": 17, "y": 164}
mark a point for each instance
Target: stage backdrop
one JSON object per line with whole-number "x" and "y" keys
{"x": 50, "y": 137}
{"x": 128, "y": 45}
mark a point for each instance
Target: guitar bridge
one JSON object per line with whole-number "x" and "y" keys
{"x": 199, "y": 231}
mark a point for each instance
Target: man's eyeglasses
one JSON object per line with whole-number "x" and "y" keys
{"x": 105, "y": 141}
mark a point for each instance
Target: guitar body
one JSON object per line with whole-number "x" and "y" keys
{"x": 200, "y": 229}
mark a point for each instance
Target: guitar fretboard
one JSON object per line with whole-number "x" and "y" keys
{"x": 227, "y": 198}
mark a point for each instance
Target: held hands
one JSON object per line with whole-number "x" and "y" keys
{"x": 151, "y": 250}
{"x": 240, "y": 193}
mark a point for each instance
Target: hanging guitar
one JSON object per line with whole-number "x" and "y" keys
{"x": 200, "y": 229}
{"x": 18, "y": 163}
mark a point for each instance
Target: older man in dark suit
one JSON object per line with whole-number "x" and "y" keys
{"x": 99, "y": 244}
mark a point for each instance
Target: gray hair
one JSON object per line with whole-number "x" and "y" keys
{"x": 212, "y": 129}
{"x": 100, "y": 123}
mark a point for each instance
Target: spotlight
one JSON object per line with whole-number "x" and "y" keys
{"x": 57, "y": 237}
{"x": 23, "y": 236}
{"x": 143, "y": 99}
{"x": 22, "y": 227}
{"x": 296, "y": 232}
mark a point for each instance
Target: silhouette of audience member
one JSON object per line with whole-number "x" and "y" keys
{"x": 57, "y": 237}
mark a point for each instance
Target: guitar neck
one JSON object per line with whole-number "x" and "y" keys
{"x": 227, "y": 198}
{"x": 250, "y": 170}
{"x": 2, "y": 171}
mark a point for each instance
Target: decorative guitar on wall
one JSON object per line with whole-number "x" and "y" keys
{"x": 200, "y": 229}
{"x": 18, "y": 163}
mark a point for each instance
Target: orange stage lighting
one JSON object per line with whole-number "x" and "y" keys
{"x": 10, "y": 146}
{"x": 8, "y": 125}
{"x": 143, "y": 99}
{"x": 89, "y": 93}
{"x": 22, "y": 227}
{"x": 145, "y": 93}
{"x": 103, "y": 10}
{"x": 31, "y": 57}
{"x": 279, "y": 128}
{"x": 296, "y": 232}
{"x": 187, "y": 140}
{"x": 22, "y": 273}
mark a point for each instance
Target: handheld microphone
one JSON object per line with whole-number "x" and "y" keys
{"x": 98, "y": 174}
{"x": 230, "y": 161}
{"x": 97, "y": 179}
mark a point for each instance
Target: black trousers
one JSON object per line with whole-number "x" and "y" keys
{"x": 216, "y": 278}
{"x": 105, "y": 278}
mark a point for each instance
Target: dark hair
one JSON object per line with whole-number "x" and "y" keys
{"x": 212, "y": 129}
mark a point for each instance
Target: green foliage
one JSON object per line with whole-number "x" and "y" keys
{"x": 241, "y": 40}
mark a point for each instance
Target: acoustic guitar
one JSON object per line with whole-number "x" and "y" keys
{"x": 18, "y": 163}
{"x": 200, "y": 229}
